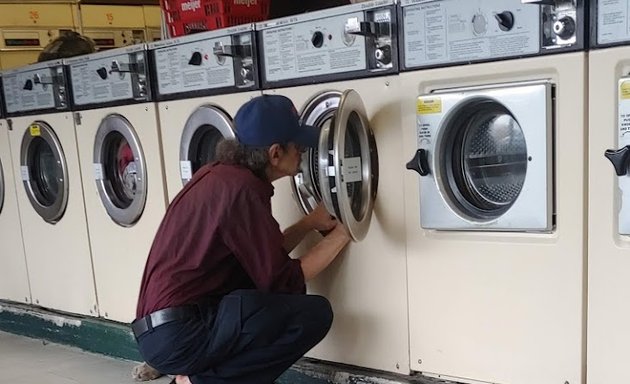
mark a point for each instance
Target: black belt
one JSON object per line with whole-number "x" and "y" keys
{"x": 163, "y": 316}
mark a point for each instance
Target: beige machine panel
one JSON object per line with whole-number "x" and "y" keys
{"x": 21, "y": 47}
{"x": 367, "y": 284}
{"x": 37, "y": 15}
{"x": 154, "y": 34}
{"x": 109, "y": 16}
{"x": 609, "y": 251}
{"x": 153, "y": 22}
{"x": 505, "y": 307}
{"x": 152, "y": 16}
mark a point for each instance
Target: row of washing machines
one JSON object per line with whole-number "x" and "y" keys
{"x": 465, "y": 145}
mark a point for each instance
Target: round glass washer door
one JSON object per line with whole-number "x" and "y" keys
{"x": 318, "y": 112}
{"x": 120, "y": 170}
{"x": 204, "y": 129}
{"x": 343, "y": 171}
{"x": 482, "y": 159}
{"x": 44, "y": 171}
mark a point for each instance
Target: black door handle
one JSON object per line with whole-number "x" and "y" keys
{"x": 420, "y": 162}
{"x": 619, "y": 159}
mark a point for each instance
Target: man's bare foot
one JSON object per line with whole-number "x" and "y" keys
{"x": 179, "y": 379}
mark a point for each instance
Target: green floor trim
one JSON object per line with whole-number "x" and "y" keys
{"x": 309, "y": 371}
{"x": 89, "y": 334}
{"x": 116, "y": 340}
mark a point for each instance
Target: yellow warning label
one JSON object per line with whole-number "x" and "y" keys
{"x": 35, "y": 131}
{"x": 429, "y": 106}
{"x": 624, "y": 90}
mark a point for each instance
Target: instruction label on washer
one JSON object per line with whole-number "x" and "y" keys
{"x": 193, "y": 67}
{"x": 351, "y": 170}
{"x": 23, "y": 93}
{"x": 98, "y": 171}
{"x": 428, "y": 106}
{"x": 185, "y": 170}
{"x": 428, "y": 114}
{"x": 450, "y": 31}
{"x": 612, "y": 21}
{"x": 26, "y": 176}
{"x": 102, "y": 80}
{"x": 313, "y": 48}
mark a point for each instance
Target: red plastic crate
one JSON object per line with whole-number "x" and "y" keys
{"x": 184, "y": 17}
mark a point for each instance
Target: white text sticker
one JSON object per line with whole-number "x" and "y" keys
{"x": 98, "y": 171}
{"x": 25, "y": 173}
{"x": 185, "y": 169}
{"x": 352, "y": 170}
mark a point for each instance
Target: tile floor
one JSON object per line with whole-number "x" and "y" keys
{"x": 29, "y": 361}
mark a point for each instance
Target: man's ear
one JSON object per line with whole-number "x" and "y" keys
{"x": 275, "y": 152}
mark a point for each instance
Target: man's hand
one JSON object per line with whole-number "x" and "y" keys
{"x": 320, "y": 219}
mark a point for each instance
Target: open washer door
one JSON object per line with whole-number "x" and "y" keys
{"x": 343, "y": 171}
{"x": 2, "y": 187}
{"x": 120, "y": 170}
{"x": 203, "y": 131}
{"x": 44, "y": 171}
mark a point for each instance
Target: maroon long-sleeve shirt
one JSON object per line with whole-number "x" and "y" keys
{"x": 218, "y": 235}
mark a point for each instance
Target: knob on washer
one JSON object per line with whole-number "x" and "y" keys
{"x": 317, "y": 39}
{"x": 505, "y": 20}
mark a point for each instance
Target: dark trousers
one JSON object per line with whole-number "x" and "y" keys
{"x": 249, "y": 337}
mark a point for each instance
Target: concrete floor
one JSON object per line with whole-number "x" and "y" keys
{"x": 30, "y": 361}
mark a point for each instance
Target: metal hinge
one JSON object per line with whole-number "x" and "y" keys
{"x": 77, "y": 118}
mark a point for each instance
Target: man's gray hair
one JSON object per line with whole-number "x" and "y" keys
{"x": 230, "y": 151}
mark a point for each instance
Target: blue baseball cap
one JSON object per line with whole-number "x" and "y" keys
{"x": 271, "y": 119}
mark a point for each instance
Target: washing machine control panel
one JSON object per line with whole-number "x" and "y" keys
{"x": 116, "y": 76}
{"x": 438, "y": 32}
{"x": 344, "y": 42}
{"x": 35, "y": 88}
{"x": 206, "y": 63}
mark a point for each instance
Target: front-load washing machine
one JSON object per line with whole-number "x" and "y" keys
{"x": 340, "y": 67}
{"x": 200, "y": 82}
{"x": 14, "y": 284}
{"x": 496, "y": 188}
{"x": 119, "y": 150}
{"x": 50, "y": 196}
{"x": 609, "y": 193}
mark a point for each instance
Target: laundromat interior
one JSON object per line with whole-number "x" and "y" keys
{"x": 477, "y": 152}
